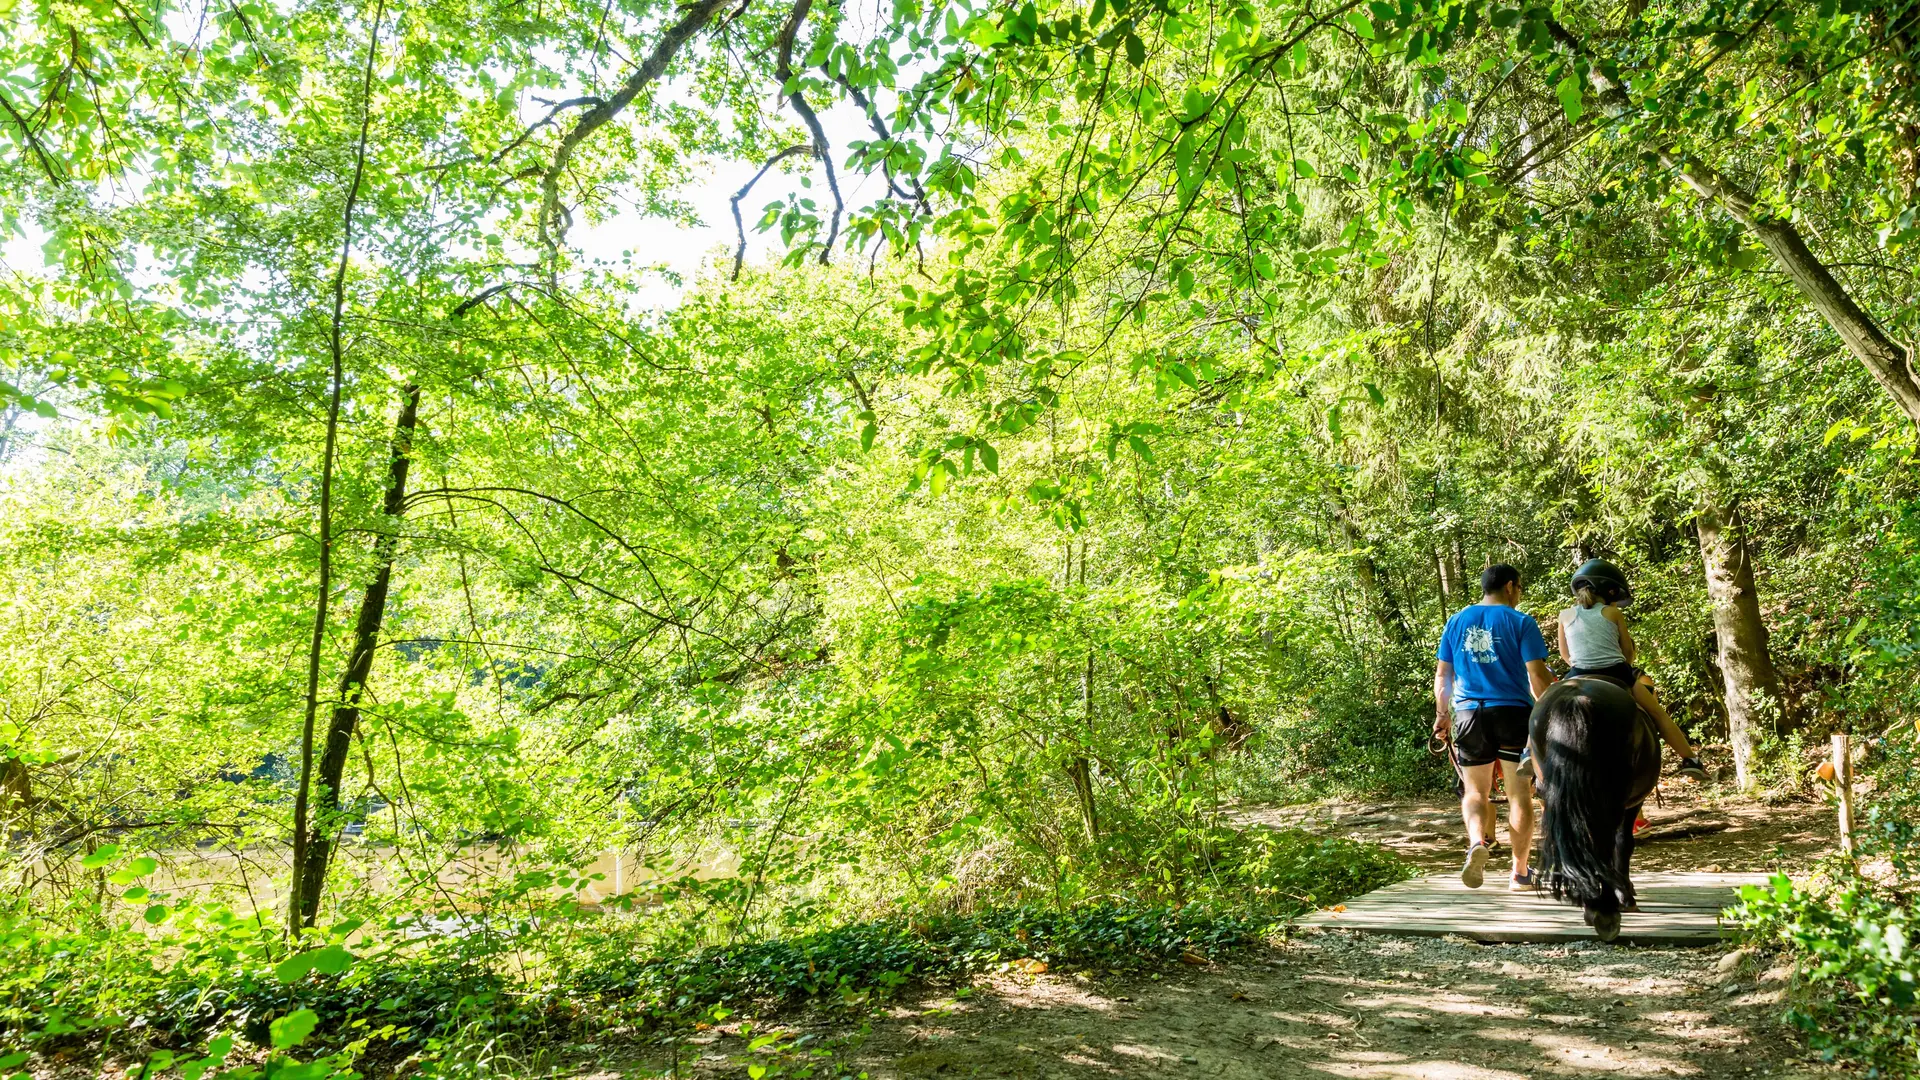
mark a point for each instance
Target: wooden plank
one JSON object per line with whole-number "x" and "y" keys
{"x": 1676, "y": 908}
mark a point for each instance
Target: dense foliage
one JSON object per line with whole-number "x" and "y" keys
{"x": 1140, "y": 387}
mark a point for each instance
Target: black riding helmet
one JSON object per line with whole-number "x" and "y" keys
{"x": 1604, "y": 578}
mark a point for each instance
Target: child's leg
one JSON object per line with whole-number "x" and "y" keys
{"x": 1670, "y": 731}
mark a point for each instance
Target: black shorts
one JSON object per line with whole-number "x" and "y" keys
{"x": 1623, "y": 673}
{"x": 1490, "y": 731}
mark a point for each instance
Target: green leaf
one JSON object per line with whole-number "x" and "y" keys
{"x": 1194, "y": 104}
{"x": 157, "y": 913}
{"x": 293, "y": 1029}
{"x": 293, "y": 967}
{"x": 100, "y": 856}
{"x": 1303, "y": 168}
{"x": 1569, "y": 92}
{"x": 1507, "y": 18}
{"x": 1361, "y": 25}
{"x": 217, "y": 1052}
{"x": 134, "y": 871}
{"x": 1136, "y": 50}
{"x": 332, "y": 960}
{"x": 989, "y": 457}
{"x": 1140, "y": 447}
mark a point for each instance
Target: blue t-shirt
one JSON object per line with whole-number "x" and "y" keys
{"x": 1489, "y": 646}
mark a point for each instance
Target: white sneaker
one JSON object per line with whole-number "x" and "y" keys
{"x": 1474, "y": 873}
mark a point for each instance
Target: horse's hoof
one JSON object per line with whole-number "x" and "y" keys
{"x": 1589, "y": 914}
{"x": 1606, "y": 926}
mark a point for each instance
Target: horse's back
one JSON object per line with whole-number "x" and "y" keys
{"x": 1615, "y": 713}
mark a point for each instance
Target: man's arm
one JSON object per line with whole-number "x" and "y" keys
{"x": 1538, "y": 677}
{"x": 1442, "y": 697}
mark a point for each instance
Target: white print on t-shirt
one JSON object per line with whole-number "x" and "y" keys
{"x": 1480, "y": 644}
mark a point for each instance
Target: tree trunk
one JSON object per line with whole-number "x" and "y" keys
{"x": 318, "y": 849}
{"x": 1883, "y": 358}
{"x": 1080, "y": 769}
{"x": 16, "y": 794}
{"x": 1752, "y": 685}
{"x": 1374, "y": 587}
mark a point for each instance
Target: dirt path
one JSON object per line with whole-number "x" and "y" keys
{"x": 1336, "y": 1004}
{"x": 1343, "y": 1005}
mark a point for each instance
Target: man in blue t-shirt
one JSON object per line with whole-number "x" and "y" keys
{"x": 1492, "y": 665}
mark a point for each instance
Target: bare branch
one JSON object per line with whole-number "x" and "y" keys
{"x": 693, "y": 18}
{"x": 740, "y": 252}
{"x": 552, "y": 115}
{"x": 918, "y": 194}
{"x": 783, "y": 68}
{"x": 479, "y": 298}
{"x": 33, "y": 140}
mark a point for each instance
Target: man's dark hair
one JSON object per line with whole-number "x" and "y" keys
{"x": 1497, "y": 577}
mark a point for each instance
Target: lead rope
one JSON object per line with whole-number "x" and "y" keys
{"x": 1443, "y": 744}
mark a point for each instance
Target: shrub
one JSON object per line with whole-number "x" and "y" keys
{"x": 1855, "y": 949}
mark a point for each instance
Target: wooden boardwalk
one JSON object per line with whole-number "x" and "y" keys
{"x": 1675, "y": 909}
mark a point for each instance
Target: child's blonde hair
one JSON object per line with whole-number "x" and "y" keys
{"x": 1589, "y": 596}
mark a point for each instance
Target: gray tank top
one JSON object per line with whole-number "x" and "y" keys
{"x": 1593, "y": 641}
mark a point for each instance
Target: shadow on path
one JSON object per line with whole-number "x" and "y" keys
{"x": 1336, "y": 1005}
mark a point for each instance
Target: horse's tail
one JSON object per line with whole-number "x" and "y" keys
{"x": 1585, "y": 768}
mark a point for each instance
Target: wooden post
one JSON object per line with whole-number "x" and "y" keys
{"x": 1843, "y": 786}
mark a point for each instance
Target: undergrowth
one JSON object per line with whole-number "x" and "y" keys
{"x": 391, "y": 999}
{"x": 1856, "y": 1001}
{"x": 1850, "y": 935}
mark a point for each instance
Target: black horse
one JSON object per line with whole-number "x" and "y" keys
{"x": 1598, "y": 759}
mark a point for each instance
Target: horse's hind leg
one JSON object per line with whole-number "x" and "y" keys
{"x": 1623, "y": 857}
{"x": 1604, "y": 916}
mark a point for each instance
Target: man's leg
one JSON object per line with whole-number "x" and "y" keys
{"x": 1476, "y": 805}
{"x": 1476, "y": 810}
{"x": 1487, "y": 814}
{"x": 1520, "y": 818}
